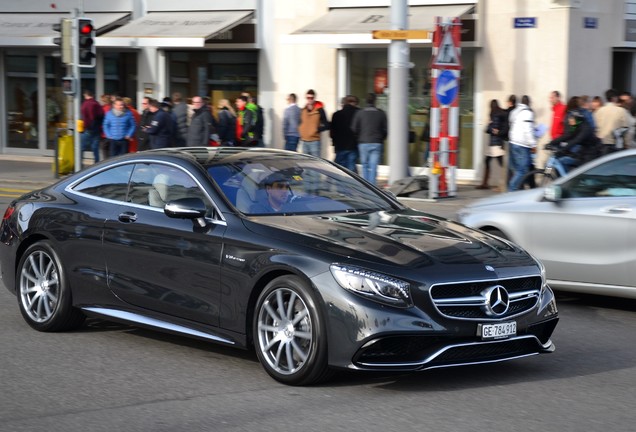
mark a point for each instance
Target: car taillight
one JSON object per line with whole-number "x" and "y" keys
{"x": 8, "y": 212}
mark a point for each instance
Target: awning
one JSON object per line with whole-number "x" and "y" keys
{"x": 359, "y": 23}
{"x": 33, "y": 29}
{"x": 175, "y": 29}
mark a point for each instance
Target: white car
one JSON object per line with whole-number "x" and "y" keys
{"x": 582, "y": 227}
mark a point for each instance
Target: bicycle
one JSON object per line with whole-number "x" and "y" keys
{"x": 542, "y": 177}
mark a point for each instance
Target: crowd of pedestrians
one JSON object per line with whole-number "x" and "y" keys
{"x": 112, "y": 126}
{"x": 580, "y": 130}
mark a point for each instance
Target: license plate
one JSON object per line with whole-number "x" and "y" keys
{"x": 497, "y": 331}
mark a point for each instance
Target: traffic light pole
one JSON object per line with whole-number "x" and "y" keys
{"x": 77, "y": 97}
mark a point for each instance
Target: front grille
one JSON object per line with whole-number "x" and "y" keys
{"x": 467, "y": 300}
{"x": 486, "y": 352}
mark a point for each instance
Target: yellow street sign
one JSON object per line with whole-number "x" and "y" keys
{"x": 400, "y": 34}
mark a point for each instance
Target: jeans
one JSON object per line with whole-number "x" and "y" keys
{"x": 311, "y": 148}
{"x": 90, "y": 141}
{"x": 520, "y": 160}
{"x": 370, "y": 154}
{"x": 291, "y": 142}
{"x": 118, "y": 147}
{"x": 347, "y": 159}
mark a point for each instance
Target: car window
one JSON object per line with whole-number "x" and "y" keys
{"x": 614, "y": 178}
{"x": 158, "y": 184}
{"x": 292, "y": 186}
{"x": 111, "y": 183}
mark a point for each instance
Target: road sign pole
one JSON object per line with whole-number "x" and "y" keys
{"x": 444, "y": 118}
{"x": 398, "y": 95}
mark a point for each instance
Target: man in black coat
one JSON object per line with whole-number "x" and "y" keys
{"x": 343, "y": 138}
{"x": 201, "y": 124}
{"x": 161, "y": 129}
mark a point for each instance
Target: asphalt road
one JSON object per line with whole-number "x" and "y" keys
{"x": 110, "y": 377}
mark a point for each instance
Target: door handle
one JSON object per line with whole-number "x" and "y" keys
{"x": 127, "y": 217}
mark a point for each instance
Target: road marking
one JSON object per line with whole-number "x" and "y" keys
{"x": 12, "y": 193}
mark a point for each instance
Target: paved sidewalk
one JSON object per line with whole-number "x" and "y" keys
{"x": 28, "y": 173}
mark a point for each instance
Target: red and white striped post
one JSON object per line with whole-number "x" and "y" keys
{"x": 444, "y": 113}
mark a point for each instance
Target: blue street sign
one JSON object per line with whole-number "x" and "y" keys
{"x": 525, "y": 22}
{"x": 446, "y": 87}
{"x": 590, "y": 22}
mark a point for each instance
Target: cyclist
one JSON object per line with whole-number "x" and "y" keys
{"x": 578, "y": 144}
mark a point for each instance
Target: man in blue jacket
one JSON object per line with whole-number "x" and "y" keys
{"x": 119, "y": 126}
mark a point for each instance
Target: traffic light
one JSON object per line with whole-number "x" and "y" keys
{"x": 65, "y": 28}
{"x": 86, "y": 43}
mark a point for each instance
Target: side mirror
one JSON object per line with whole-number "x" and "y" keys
{"x": 186, "y": 208}
{"x": 553, "y": 193}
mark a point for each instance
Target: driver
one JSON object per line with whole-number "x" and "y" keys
{"x": 277, "y": 193}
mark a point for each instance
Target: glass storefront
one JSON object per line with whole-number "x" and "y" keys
{"x": 33, "y": 83}
{"x": 22, "y": 99}
{"x": 216, "y": 74}
{"x": 369, "y": 73}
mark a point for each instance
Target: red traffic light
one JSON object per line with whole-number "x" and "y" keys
{"x": 86, "y": 29}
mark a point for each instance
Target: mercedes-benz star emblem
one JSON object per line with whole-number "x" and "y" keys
{"x": 497, "y": 300}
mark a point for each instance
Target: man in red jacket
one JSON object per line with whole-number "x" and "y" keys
{"x": 93, "y": 116}
{"x": 558, "y": 115}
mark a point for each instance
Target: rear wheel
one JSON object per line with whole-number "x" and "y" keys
{"x": 44, "y": 296}
{"x": 289, "y": 333}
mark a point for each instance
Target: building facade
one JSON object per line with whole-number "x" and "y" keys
{"x": 271, "y": 48}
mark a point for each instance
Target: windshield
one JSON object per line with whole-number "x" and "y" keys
{"x": 289, "y": 185}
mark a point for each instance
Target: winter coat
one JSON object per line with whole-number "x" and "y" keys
{"x": 226, "y": 127}
{"x": 522, "y": 126}
{"x": 370, "y": 125}
{"x": 312, "y": 122}
{"x": 341, "y": 133}
{"x": 161, "y": 130}
{"x": 119, "y": 127}
{"x": 201, "y": 126}
{"x": 180, "y": 112}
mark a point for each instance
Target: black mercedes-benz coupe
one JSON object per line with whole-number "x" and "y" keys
{"x": 283, "y": 252}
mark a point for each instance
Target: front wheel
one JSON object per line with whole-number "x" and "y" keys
{"x": 44, "y": 296}
{"x": 538, "y": 178}
{"x": 289, "y": 333}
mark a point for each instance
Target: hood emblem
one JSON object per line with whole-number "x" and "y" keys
{"x": 497, "y": 300}
{"x": 490, "y": 268}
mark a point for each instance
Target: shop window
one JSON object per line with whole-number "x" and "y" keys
{"x": 22, "y": 100}
{"x": 216, "y": 74}
{"x": 369, "y": 73}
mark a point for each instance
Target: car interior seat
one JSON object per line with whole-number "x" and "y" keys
{"x": 158, "y": 194}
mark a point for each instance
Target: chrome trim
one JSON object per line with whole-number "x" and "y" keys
{"x": 482, "y": 301}
{"x": 152, "y": 322}
{"x": 69, "y": 187}
{"x": 436, "y": 354}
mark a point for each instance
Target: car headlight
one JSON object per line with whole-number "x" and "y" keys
{"x": 375, "y": 286}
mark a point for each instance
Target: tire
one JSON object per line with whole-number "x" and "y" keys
{"x": 547, "y": 179}
{"x": 531, "y": 179}
{"x": 44, "y": 296}
{"x": 289, "y": 333}
{"x": 498, "y": 233}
